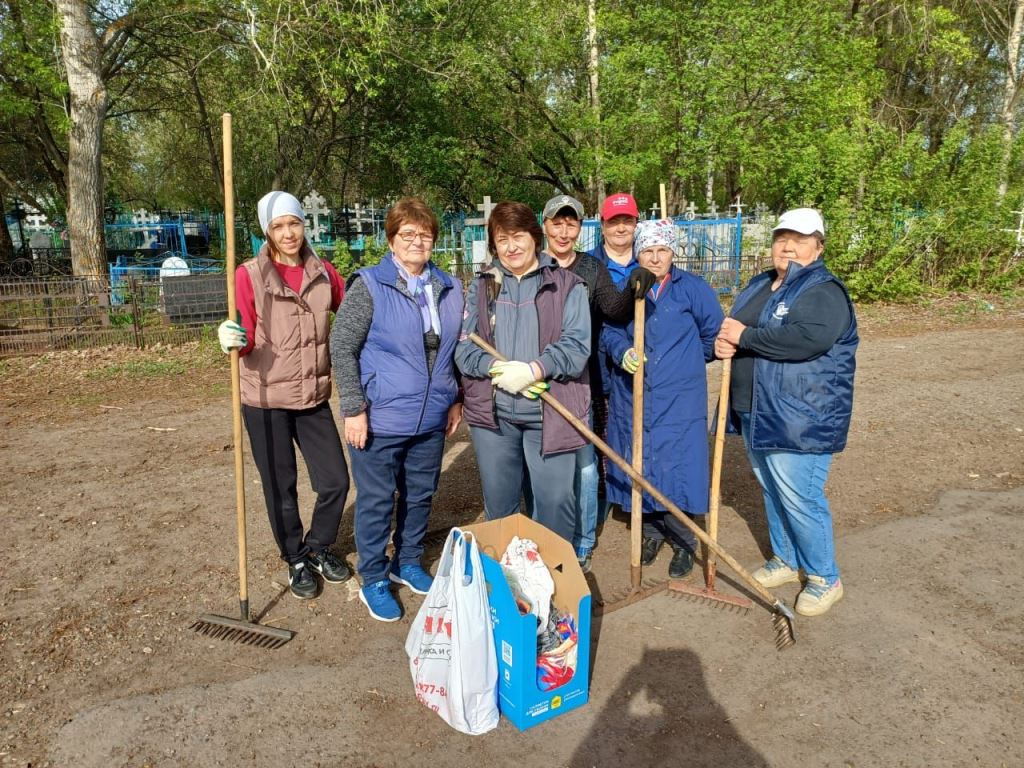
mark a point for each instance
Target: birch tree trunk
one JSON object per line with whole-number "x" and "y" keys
{"x": 80, "y": 50}
{"x": 1011, "y": 93}
{"x": 597, "y": 181}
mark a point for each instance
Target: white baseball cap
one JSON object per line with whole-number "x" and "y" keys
{"x": 806, "y": 221}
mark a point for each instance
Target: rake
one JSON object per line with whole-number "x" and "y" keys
{"x": 782, "y": 618}
{"x": 240, "y": 630}
{"x": 708, "y": 591}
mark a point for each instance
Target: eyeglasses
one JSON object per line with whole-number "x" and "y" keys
{"x": 410, "y": 237}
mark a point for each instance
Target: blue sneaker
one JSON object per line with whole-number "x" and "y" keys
{"x": 380, "y": 602}
{"x": 413, "y": 576}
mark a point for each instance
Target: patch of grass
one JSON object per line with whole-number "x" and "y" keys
{"x": 140, "y": 369}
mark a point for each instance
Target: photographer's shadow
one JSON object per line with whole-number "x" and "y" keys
{"x": 662, "y": 714}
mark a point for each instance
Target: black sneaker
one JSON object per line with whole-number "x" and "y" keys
{"x": 301, "y": 580}
{"x": 649, "y": 549}
{"x": 681, "y": 563}
{"x": 330, "y": 566}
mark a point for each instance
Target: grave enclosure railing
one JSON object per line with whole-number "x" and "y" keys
{"x": 46, "y": 314}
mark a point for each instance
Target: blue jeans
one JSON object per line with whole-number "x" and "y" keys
{"x": 799, "y": 519}
{"x": 584, "y": 485}
{"x": 410, "y": 465}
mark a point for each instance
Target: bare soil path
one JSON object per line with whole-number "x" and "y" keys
{"x": 116, "y": 496}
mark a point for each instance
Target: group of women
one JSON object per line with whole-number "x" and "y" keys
{"x": 407, "y": 357}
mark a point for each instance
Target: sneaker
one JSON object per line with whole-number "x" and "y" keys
{"x": 818, "y": 596}
{"x": 413, "y": 576}
{"x": 330, "y": 566}
{"x": 301, "y": 580}
{"x": 380, "y": 602}
{"x": 775, "y": 573}
{"x": 584, "y": 561}
{"x": 649, "y": 550}
{"x": 681, "y": 563}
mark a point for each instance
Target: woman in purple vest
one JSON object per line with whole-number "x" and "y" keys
{"x": 392, "y": 346}
{"x": 537, "y": 316}
{"x": 793, "y": 337}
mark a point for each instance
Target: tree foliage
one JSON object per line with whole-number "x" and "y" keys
{"x": 899, "y": 119}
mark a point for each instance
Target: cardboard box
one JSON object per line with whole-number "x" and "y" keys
{"x": 515, "y": 635}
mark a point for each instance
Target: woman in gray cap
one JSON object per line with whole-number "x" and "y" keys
{"x": 563, "y": 220}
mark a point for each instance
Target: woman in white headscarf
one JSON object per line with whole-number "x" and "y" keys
{"x": 682, "y": 319}
{"x": 285, "y": 298}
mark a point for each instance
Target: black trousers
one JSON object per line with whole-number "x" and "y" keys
{"x": 663, "y": 525}
{"x": 273, "y": 435}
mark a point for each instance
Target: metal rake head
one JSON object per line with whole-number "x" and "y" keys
{"x": 721, "y": 605}
{"x": 241, "y": 632}
{"x": 785, "y": 635}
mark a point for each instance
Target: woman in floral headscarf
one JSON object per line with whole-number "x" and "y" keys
{"x": 683, "y": 318}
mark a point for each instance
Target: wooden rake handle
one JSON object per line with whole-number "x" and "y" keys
{"x": 715, "y": 497}
{"x": 236, "y": 387}
{"x": 636, "y": 477}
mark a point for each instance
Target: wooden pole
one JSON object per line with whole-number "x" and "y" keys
{"x": 236, "y": 387}
{"x": 637, "y": 496}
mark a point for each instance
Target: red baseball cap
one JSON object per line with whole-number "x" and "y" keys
{"x": 619, "y": 204}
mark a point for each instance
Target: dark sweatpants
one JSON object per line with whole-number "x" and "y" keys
{"x": 273, "y": 435}
{"x": 662, "y": 526}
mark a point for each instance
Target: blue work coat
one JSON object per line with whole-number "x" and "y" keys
{"x": 681, "y": 325}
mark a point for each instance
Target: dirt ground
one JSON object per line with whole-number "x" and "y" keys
{"x": 116, "y": 491}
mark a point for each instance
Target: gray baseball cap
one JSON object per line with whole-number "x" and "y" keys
{"x": 559, "y": 202}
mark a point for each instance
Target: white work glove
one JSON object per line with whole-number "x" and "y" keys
{"x": 513, "y": 376}
{"x": 231, "y": 335}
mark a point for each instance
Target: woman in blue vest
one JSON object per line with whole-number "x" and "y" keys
{"x": 392, "y": 345}
{"x": 793, "y": 339}
{"x": 682, "y": 320}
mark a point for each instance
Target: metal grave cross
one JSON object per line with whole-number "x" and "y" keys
{"x": 36, "y": 221}
{"x": 691, "y": 211}
{"x": 486, "y": 208}
{"x": 713, "y": 209}
{"x": 315, "y": 206}
{"x": 738, "y": 206}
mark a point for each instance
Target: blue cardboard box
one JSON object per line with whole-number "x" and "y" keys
{"x": 515, "y": 636}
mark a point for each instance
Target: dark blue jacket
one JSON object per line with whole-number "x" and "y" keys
{"x": 403, "y": 397}
{"x": 801, "y": 406}
{"x": 679, "y": 340}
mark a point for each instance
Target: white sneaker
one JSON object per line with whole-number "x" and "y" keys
{"x": 818, "y": 596}
{"x": 775, "y": 573}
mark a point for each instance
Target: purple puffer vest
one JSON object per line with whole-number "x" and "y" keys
{"x": 557, "y": 434}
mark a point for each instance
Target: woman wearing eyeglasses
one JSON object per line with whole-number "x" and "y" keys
{"x": 392, "y": 347}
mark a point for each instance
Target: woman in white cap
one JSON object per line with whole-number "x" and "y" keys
{"x": 793, "y": 339}
{"x": 285, "y": 296}
{"x": 682, "y": 320}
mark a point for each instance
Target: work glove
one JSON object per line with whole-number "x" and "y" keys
{"x": 231, "y": 335}
{"x": 631, "y": 360}
{"x": 535, "y": 390}
{"x": 513, "y": 376}
{"x": 640, "y": 281}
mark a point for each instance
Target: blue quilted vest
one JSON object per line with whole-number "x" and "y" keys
{"x": 802, "y": 407}
{"x": 403, "y": 398}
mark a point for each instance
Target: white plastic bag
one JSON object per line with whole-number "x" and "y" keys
{"x": 529, "y": 579}
{"x": 450, "y": 645}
